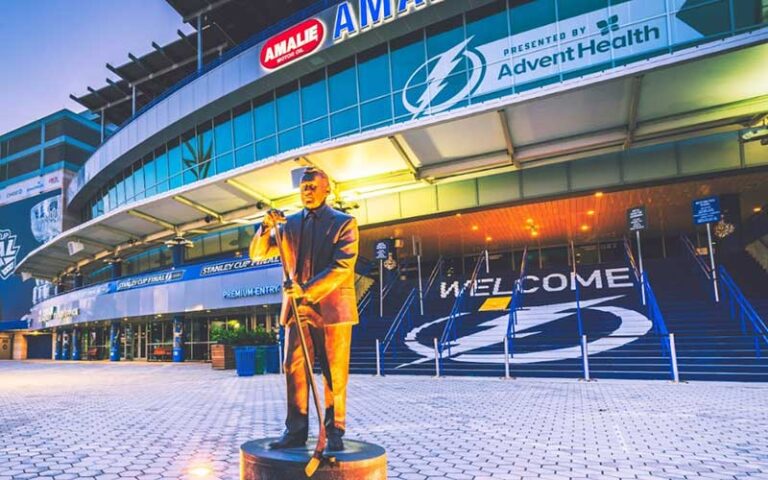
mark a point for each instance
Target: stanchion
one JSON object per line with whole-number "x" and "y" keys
{"x": 378, "y": 358}
{"x": 585, "y": 358}
{"x": 506, "y": 357}
{"x": 673, "y": 359}
{"x": 437, "y": 361}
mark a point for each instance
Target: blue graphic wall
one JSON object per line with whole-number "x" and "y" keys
{"x": 24, "y": 226}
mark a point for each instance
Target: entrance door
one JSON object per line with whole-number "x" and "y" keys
{"x": 39, "y": 346}
{"x": 140, "y": 340}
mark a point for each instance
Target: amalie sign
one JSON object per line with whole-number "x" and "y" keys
{"x": 293, "y": 44}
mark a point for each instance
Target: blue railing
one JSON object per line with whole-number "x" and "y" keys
{"x": 255, "y": 39}
{"x": 404, "y": 314}
{"x": 646, "y": 292}
{"x": 701, "y": 265}
{"x": 516, "y": 303}
{"x": 436, "y": 271}
{"x": 449, "y": 332}
{"x": 738, "y": 305}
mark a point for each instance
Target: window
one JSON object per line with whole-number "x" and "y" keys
{"x": 314, "y": 96}
{"x": 161, "y": 170}
{"x": 342, "y": 85}
{"x": 264, "y": 114}
{"x": 243, "y": 124}
{"x": 288, "y": 110}
{"x": 222, "y": 134}
{"x": 174, "y": 164}
{"x": 373, "y": 63}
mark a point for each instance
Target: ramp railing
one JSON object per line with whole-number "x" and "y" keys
{"x": 448, "y": 336}
{"x": 739, "y": 307}
{"x": 516, "y": 303}
{"x": 403, "y": 315}
{"x": 438, "y": 268}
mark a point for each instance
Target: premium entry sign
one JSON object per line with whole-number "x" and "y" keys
{"x": 706, "y": 210}
{"x": 636, "y": 219}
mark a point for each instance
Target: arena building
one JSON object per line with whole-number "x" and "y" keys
{"x": 500, "y": 145}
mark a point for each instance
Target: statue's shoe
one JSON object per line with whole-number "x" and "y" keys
{"x": 335, "y": 443}
{"x": 289, "y": 440}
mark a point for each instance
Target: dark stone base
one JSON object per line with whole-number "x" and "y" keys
{"x": 359, "y": 460}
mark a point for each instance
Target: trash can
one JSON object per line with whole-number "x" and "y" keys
{"x": 261, "y": 359}
{"x": 273, "y": 359}
{"x": 245, "y": 361}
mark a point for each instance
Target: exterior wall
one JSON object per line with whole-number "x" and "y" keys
{"x": 494, "y": 51}
{"x": 190, "y": 288}
{"x": 19, "y": 346}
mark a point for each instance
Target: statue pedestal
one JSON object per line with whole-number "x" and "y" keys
{"x": 359, "y": 460}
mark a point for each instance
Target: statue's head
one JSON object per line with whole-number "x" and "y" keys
{"x": 314, "y": 188}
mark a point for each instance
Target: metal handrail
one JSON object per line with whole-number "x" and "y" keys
{"x": 746, "y": 310}
{"x": 434, "y": 274}
{"x": 397, "y": 322}
{"x": 654, "y": 311}
{"x": 449, "y": 332}
{"x": 631, "y": 261}
{"x": 691, "y": 249}
{"x": 517, "y": 298}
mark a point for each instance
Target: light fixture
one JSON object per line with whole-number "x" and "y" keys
{"x": 599, "y": 194}
{"x": 584, "y": 228}
{"x": 179, "y": 240}
{"x": 534, "y": 233}
{"x": 475, "y": 228}
{"x": 74, "y": 247}
{"x": 591, "y": 213}
{"x": 529, "y": 221}
{"x": 757, "y": 209}
{"x": 488, "y": 238}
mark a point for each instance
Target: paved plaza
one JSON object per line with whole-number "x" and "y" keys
{"x": 161, "y": 421}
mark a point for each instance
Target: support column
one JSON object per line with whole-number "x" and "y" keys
{"x": 178, "y": 339}
{"x": 114, "y": 342}
{"x": 65, "y": 339}
{"x": 116, "y": 267}
{"x": 177, "y": 254}
{"x": 57, "y": 351}
{"x": 199, "y": 43}
{"x": 76, "y": 344}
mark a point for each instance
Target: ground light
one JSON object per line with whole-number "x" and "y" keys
{"x": 200, "y": 471}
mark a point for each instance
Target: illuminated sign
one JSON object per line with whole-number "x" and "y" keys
{"x": 154, "y": 279}
{"x": 292, "y": 44}
{"x": 371, "y": 14}
{"x": 54, "y": 313}
{"x": 236, "y": 293}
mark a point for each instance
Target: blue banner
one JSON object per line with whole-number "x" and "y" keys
{"x": 24, "y": 226}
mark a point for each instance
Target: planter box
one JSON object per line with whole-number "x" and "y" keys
{"x": 222, "y": 357}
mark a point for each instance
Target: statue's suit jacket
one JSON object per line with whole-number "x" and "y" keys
{"x": 331, "y": 290}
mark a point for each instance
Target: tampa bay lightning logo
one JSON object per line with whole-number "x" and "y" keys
{"x": 626, "y": 326}
{"x": 442, "y": 90}
{"x": 9, "y": 251}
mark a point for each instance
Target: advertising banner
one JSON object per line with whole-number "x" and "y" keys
{"x": 24, "y": 226}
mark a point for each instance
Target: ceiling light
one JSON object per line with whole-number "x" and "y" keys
{"x": 599, "y": 194}
{"x": 488, "y": 238}
{"x": 757, "y": 209}
{"x": 584, "y": 228}
{"x": 475, "y": 228}
{"x": 534, "y": 233}
{"x": 590, "y": 212}
{"x": 529, "y": 221}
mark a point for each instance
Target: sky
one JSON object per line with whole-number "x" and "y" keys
{"x": 51, "y": 48}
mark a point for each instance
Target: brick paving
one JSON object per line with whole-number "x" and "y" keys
{"x": 160, "y": 421}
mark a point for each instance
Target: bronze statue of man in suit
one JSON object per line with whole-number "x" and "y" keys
{"x": 320, "y": 247}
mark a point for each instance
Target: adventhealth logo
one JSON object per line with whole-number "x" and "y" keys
{"x": 9, "y": 251}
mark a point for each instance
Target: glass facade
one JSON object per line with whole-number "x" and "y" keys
{"x": 507, "y": 47}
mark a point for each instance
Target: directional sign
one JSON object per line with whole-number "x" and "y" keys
{"x": 706, "y": 210}
{"x": 636, "y": 219}
{"x": 382, "y": 249}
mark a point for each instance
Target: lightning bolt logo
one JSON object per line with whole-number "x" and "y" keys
{"x": 8, "y": 253}
{"x": 437, "y": 79}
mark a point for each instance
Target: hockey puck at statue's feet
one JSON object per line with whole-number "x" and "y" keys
{"x": 358, "y": 460}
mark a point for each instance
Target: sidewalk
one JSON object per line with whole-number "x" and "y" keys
{"x": 163, "y": 421}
